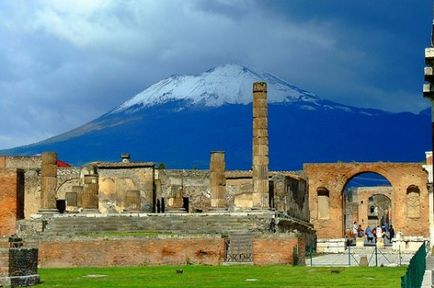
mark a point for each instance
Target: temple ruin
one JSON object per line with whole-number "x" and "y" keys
{"x": 169, "y": 216}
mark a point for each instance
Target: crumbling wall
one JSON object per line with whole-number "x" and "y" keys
{"x": 290, "y": 195}
{"x": 115, "y": 182}
{"x": 66, "y": 179}
{"x": 32, "y": 187}
{"x": 176, "y": 184}
{"x": 11, "y": 200}
{"x": 239, "y": 187}
{"x": 128, "y": 252}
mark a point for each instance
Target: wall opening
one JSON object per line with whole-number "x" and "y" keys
{"x": 323, "y": 196}
{"x": 366, "y": 202}
{"x": 413, "y": 201}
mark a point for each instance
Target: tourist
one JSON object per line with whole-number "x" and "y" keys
{"x": 355, "y": 230}
{"x": 391, "y": 233}
{"x": 369, "y": 234}
{"x": 360, "y": 231}
{"x": 379, "y": 232}
{"x": 374, "y": 233}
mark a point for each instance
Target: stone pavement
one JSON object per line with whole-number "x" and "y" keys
{"x": 384, "y": 257}
{"x": 428, "y": 276}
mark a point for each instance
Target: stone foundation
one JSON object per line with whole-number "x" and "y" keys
{"x": 337, "y": 245}
{"x": 18, "y": 267}
{"x": 165, "y": 250}
{"x": 407, "y": 243}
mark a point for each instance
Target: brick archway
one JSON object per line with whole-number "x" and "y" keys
{"x": 335, "y": 176}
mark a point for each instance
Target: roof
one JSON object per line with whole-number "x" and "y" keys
{"x": 61, "y": 163}
{"x": 121, "y": 165}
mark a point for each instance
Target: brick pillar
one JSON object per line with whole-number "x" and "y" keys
{"x": 217, "y": 180}
{"x": 48, "y": 182}
{"x": 260, "y": 146}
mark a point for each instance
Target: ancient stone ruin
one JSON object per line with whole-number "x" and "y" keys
{"x": 169, "y": 216}
{"x": 18, "y": 264}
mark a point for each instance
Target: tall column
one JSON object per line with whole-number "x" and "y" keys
{"x": 217, "y": 180}
{"x": 48, "y": 182}
{"x": 260, "y": 146}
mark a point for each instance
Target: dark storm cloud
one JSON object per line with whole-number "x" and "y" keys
{"x": 67, "y": 62}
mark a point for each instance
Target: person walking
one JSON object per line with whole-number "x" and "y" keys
{"x": 369, "y": 235}
{"x": 355, "y": 230}
{"x": 391, "y": 233}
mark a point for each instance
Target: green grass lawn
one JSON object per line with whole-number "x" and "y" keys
{"x": 221, "y": 276}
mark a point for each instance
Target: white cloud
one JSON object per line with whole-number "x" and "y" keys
{"x": 67, "y": 62}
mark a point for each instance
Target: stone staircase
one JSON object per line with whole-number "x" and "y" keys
{"x": 173, "y": 223}
{"x": 239, "y": 248}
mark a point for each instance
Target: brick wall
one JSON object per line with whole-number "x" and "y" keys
{"x": 11, "y": 206}
{"x": 334, "y": 177}
{"x": 125, "y": 252}
{"x": 278, "y": 250}
{"x": 209, "y": 250}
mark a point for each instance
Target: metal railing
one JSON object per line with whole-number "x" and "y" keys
{"x": 414, "y": 275}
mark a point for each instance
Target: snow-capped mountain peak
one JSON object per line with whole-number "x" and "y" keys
{"x": 227, "y": 84}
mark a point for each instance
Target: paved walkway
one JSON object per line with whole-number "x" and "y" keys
{"x": 428, "y": 276}
{"x": 384, "y": 257}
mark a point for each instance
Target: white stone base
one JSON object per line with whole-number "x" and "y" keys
{"x": 360, "y": 242}
{"x": 380, "y": 243}
{"x": 407, "y": 243}
{"x": 331, "y": 245}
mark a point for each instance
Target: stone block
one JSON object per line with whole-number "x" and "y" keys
{"x": 48, "y": 192}
{"x": 260, "y": 172}
{"x": 260, "y": 112}
{"x": 260, "y": 150}
{"x": 337, "y": 245}
{"x": 260, "y": 133}
{"x": 89, "y": 199}
{"x": 260, "y": 140}
{"x": 260, "y": 101}
{"x": 363, "y": 262}
{"x": 71, "y": 198}
{"x": 360, "y": 242}
{"x": 380, "y": 243}
{"x": 259, "y": 87}
{"x": 260, "y": 123}
{"x": 48, "y": 170}
{"x": 49, "y": 158}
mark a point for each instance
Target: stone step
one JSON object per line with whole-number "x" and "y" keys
{"x": 175, "y": 223}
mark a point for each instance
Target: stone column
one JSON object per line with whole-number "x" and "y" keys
{"x": 260, "y": 146}
{"x": 217, "y": 180}
{"x": 48, "y": 182}
{"x": 89, "y": 198}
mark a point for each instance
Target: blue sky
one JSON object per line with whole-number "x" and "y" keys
{"x": 64, "y": 63}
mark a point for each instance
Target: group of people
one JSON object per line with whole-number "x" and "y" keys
{"x": 372, "y": 234}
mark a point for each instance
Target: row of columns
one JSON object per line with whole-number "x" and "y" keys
{"x": 260, "y": 158}
{"x": 86, "y": 195}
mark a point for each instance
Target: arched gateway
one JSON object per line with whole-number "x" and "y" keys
{"x": 409, "y": 196}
